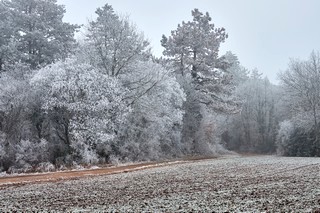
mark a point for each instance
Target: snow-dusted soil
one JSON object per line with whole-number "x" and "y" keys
{"x": 250, "y": 184}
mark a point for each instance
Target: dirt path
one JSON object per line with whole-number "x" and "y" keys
{"x": 67, "y": 175}
{"x": 76, "y": 174}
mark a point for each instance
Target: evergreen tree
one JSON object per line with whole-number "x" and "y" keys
{"x": 195, "y": 44}
{"x": 193, "y": 49}
{"x": 37, "y": 29}
{"x": 7, "y": 46}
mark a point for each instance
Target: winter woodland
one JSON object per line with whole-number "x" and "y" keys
{"x": 106, "y": 99}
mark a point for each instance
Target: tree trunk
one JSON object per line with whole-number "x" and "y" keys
{"x": 1, "y": 65}
{"x": 194, "y": 68}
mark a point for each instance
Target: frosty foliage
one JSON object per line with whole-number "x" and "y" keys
{"x": 118, "y": 49}
{"x": 93, "y": 102}
{"x": 45, "y": 167}
{"x": 153, "y": 128}
{"x": 301, "y": 83}
{"x": 239, "y": 73}
{"x": 208, "y": 135}
{"x": 193, "y": 52}
{"x": 115, "y": 42}
{"x": 194, "y": 43}
{"x": 254, "y": 129}
{"x": 13, "y": 92}
{"x": 34, "y": 33}
{"x": 2, "y": 150}
{"x": 32, "y": 153}
{"x": 283, "y": 137}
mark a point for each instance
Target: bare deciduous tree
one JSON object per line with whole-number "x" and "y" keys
{"x": 302, "y": 83}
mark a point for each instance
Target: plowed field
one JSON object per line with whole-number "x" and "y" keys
{"x": 227, "y": 184}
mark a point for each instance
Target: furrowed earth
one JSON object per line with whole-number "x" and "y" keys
{"x": 225, "y": 184}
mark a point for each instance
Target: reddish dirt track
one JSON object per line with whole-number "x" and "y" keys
{"x": 76, "y": 174}
{"x": 67, "y": 175}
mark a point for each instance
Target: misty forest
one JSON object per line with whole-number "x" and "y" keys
{"x": 105, "y": 98}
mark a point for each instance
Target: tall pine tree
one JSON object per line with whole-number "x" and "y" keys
{"x": 193, "y": 49}
{"x": 37, "y": 30}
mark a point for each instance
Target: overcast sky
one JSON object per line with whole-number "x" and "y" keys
{"x": 264, "y": 34}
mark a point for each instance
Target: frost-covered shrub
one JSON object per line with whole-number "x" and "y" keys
{"x": 31, "y": 152}
{"x": 77, "y": 166}
{"x": 294, "y": 140}
{"x": 208, "y": 135}
{"x": 21, "y": 167}
{"x": 115, "y": 160}
{"x": 283, "y": 137}
{"x": 86, "y": 153}
{"x": 45, "y": 167}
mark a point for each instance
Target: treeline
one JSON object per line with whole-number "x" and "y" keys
{"x": 106, "y": 98}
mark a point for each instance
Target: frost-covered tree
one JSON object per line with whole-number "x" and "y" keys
{"x": 92, "y": 103}
{"x": 115, "y": 47}
{"x": 29, "y": 153}
{"x": 7, "y": 44}
{"x": 254, "y": 129}
{"x": 154, "y": 125}
{"x": 239, "y": 73}
{"x": 194, "y": 45}
{"x": 301, "y": 82}
{"x": 37, "y": 31}
{"x": 115, "y": 42}
{"x": 18, "y": 113}
{"x": 32, "y": 35}
{"x": 285, "y": 131}
{"x": 193, "y": 50}
{"x": 14, "y": 106}
{"x": 296, "y": 138}
{"x": 3, "y": 153}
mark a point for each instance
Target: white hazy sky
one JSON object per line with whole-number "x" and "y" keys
{"x": 264, "y": 34}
